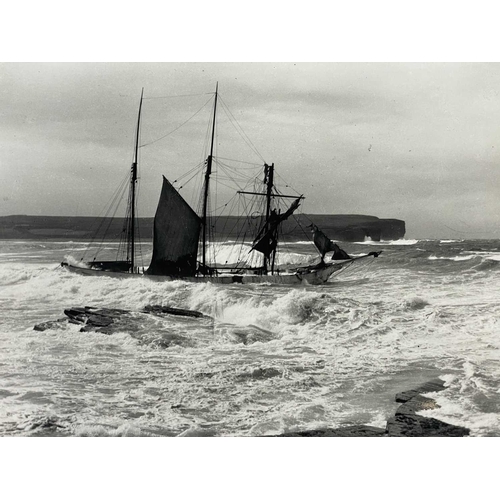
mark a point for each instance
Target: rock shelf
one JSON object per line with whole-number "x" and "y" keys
{"x": 106, "y": 320}
{"x": 405, "y": 423}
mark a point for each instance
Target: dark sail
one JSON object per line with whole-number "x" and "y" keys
{"x": 267, "y": 243}
{"x": 176, "y": 234}
{"x": 325, "y": 244}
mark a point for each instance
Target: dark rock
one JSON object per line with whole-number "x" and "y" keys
{"x": 419, "y": 403}
{"x": 435, "y": 385}
{"x": 351, "y": 431}
{"x": 46, "y": 423}
{"x": 107, "y": 321}
{"x": 57, "y": 324}
{"x": 407, "y": 423}
{"x": 403, "y": 397}
{"x": 94, "y": 319}
{"x": 159, "y": 310}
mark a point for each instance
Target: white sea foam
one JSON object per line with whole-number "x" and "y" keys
{"x": 401, "y": 242}
{"x": 456, "y": 258}
{"x": 230, "y": 254}
{"x": 263, "y": 360}
{"x": 76, "y": 263}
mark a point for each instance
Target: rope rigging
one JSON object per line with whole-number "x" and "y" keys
{"x": 240, "y": 130}
{"x": 175, "y": 129}
{"x": 254, "y": 225}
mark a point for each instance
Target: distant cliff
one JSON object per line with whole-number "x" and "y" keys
{"x": 337, "y": 227}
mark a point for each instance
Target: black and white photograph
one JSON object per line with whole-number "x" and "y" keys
{"x": 222, "y": 249}
{"x": 250, "y": 249}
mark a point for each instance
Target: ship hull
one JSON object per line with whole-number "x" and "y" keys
{"x": 305, "y": 277}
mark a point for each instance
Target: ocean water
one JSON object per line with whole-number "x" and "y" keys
{"x": 266, "y": 358}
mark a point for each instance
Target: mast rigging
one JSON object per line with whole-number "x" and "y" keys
{"x": 206, "y": 190}
{"x": 133, "y": 182}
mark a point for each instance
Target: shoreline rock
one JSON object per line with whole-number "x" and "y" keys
{"x": 105, "y": 320}
{"x": 405, "y": 423}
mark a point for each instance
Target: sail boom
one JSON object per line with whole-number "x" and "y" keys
{"x": 301, "y": 197}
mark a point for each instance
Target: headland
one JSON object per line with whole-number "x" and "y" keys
{"x": 345, "y": 227}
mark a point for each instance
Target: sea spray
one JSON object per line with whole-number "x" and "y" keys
{"x": 263, "y": 358}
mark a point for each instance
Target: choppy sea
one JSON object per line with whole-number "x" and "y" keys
{"x": 266, "y": 359}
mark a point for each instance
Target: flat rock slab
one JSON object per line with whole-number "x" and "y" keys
{"x": 106, "y": 320}
{"x": 160, "y": 310}
{"x": 352, "y": 431}
{"x": 405, "y": 422}
{"x": 435, "y": 385}
{"x": 95, "y": 319}
{"x": 408, "y": 424}
{"x": 417, "y": 402}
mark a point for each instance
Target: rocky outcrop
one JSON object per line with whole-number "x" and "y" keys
{"x": 160, "y": 310}
{"x": 107, "y": 321}
{"x": 352, "y": 227}
{"x": 405, "y": 423}
{"x": 351, "y": 431}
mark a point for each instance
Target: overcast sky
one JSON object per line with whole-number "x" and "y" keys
{"x": 418, "y": 142}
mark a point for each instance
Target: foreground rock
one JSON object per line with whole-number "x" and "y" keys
{"x": 106, "y": 320}
{"x": 160, "y": 310}
{"x": 351, "y": 431}
{"x": 405, "y": 423}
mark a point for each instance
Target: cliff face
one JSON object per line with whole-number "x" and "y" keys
{"x": 337, "y": 227}
{"x": 355, "y": 227}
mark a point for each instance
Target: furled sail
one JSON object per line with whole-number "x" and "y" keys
{"x": 176, "y": 234}
{"x": 266, "y": 243}
{"x": 325, "y": 244}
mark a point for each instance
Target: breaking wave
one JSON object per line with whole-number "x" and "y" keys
{"x": 263, "y": 358}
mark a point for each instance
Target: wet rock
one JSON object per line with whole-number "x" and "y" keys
{"x": 405, "y": 423}
{"x": 419, "y": 403}
{"x": 107, "y": 320}
{"x": 95, "y": 319}
{"x": 408, "y": 424}
{"x": 47, "y": 423}
{"x": 351, "y": 431}
{"x": 57, "y": 324}
{"x": 160, "y": 310}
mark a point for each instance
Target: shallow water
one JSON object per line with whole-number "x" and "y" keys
{"x": 266, "y": 359}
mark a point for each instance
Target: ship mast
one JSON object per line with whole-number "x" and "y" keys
{"x": 270, "y": 227}
{"x": 133, "y": 182}
{"x": 207, "y": 181}
{"x": 269, "y": 178}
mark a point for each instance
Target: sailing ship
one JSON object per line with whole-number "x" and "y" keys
{"x": 182, "y": 237}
